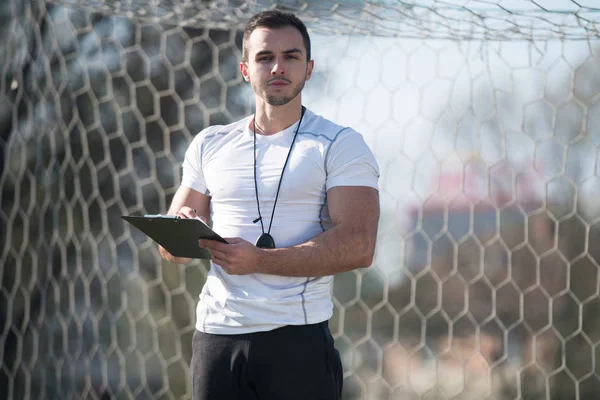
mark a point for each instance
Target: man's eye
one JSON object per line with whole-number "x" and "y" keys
{"x": 264, "y": 59}
{"x": 292, "y": 57}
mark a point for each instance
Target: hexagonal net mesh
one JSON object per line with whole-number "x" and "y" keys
{"x": 452, "y": 19}
{"x": 485, "y": 280}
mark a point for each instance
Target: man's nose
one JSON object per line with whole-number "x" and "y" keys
{"x": 278, "y": 68}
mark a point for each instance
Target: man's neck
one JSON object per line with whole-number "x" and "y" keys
{"x": 272, "y": 119}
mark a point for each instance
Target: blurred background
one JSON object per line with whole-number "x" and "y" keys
{"x": 484, "y": 117}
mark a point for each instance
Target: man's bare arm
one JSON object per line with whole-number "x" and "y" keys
{"x": 349, "y": 244}
{"x": 187, "y": 203}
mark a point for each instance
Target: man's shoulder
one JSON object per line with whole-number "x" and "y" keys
{"x": 323, "y": 127}
{"x": 219, "y": 130}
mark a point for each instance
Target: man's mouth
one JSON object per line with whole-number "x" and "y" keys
{"x": 278, "y": 82}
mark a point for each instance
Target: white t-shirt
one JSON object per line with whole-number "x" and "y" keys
{"x": 219, "y": 163}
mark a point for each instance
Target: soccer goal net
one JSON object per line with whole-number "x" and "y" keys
{"x": 484, "y": 116}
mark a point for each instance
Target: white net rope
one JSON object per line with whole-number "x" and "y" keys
{"x": 451, "y": 19}
{"x": 485, "y": 280}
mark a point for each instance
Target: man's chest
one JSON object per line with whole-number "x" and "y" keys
{"x": 230, "y": 172}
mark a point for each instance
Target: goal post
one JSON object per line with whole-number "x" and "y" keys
{"x": 484, "y": 117}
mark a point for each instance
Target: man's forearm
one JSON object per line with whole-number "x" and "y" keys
{"x": 336, "y": 250}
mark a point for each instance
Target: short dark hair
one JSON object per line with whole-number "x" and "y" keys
{"x": 274, "y": 19}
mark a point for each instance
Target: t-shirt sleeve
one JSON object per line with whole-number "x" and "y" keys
{"x": 192, "y": 173}
{"x": 350, "y": 162}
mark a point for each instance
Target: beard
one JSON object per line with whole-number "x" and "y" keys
{"x": 281, "y": 100}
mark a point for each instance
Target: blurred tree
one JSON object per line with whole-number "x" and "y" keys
{"x": 576, "y": 372}
{"x": 531, "y": 282}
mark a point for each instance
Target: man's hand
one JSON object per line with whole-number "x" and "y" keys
{"x": 184, "y": 212}
{"x": 187, "y": 212}
{"x": 237, "y": 257}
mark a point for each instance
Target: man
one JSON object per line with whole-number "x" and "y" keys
{"x": 296, "y": 198}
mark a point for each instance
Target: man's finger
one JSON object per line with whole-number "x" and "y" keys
{"x": 234, "y": 240}
{"x": 218, "y": 254}
{"x": 212, "y": 244}
{"x": 187, "y": 212}
{"x": 219, "y": 261}
{"x": 206, "y": 244}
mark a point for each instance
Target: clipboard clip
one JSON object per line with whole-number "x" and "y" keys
{"x": 161, "y": 216}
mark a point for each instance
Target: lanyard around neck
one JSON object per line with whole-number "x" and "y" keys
{"x": 280, "y": 177}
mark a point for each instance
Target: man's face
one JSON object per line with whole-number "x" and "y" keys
{"x": 277, "y": 67}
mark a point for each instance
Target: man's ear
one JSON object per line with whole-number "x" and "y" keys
{"x": 244, "y": 71}
{"x": 309, "y": 69}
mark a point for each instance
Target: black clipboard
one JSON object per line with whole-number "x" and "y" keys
{"x": 179, "y": 236}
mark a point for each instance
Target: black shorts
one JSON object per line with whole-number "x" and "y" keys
{"x": 288, "y": 363}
